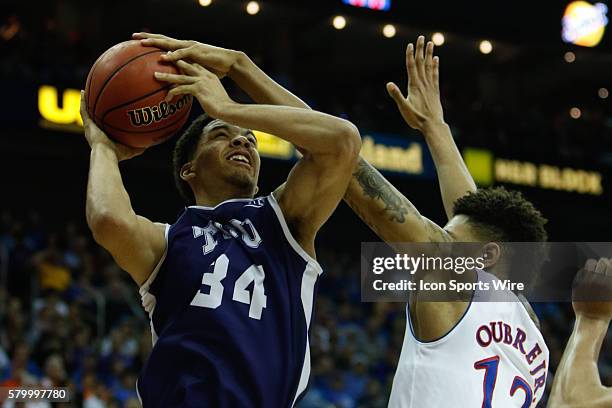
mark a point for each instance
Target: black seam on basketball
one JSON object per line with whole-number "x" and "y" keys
{"x": 178, "y": 118}
{"x": 109, "y": 110}
{"x": 90, "y": 81}
{"x": 115, "y": 72}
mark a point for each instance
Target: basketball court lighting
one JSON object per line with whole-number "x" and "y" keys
{"x": 205, "y": 3}
{"x": 389, "y": 30}
{"x": 569, "y": 57}
{"x": 486, "y": 47}
{"x": 575, "y": 113}
{"x": 252, "y": 7}
{"x": 437, "y": 39}
{"x": 339, "y": 22}
{"x": 603, "y": 93}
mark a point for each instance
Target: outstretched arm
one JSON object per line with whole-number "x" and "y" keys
{"x": 135, "y": 243}
{"x": 330, "y": 147}
{"x": 388, "y": 212}
{"x": 577, "y": 382}
{"x": 422, "y": 110}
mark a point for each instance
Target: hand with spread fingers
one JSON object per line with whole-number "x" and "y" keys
{"x": 216, "y": 59}
{"x": 592, "y": 291}
{"x": 421, "y": 108}
{"x": 95, "y": 136}
{"x": 196, "y": 80}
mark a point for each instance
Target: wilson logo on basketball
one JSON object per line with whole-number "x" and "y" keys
{"x": 149, "y": 114}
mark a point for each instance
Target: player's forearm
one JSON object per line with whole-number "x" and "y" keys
{"x": 108, "y": 204}
{"x": 577, "y": 377}
{"x": 387, "y": 211}
{"x": 260, "y": 87}
{"x": 588, "y": 337}
{"x": 453, "y": 176}
{"x": 314, "y": 132}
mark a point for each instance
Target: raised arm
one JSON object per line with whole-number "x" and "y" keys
{"x": 330, "y": 145}
{"x": 577, "y": 382}
{"x": 422, "y": 110}
{"x": 388, "y": 212}
{"x": 225, "y": 62}
{"x": 135, "y": 243}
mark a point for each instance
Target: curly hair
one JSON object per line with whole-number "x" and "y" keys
{"x": 183, "y": 152}
{"x": 502, "y": 215}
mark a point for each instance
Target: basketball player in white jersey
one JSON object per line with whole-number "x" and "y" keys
{"x": 456, "y": 354}
{"x": 577, "y": 383}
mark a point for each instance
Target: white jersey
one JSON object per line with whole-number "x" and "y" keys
{"x": 495, "y": 357}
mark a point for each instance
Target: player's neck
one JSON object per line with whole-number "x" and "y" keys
{"x": 212, "y": 199}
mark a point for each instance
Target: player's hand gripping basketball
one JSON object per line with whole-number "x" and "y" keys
{"x": 422, "y": 107}
{"x": 204, "y": 85}
{"x": 592, "y": 292}
{"x": 216, "y": 59}
{"x": 95, "y": 135}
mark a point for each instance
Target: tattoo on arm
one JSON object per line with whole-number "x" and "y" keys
{"x": 376, "y": 187}
{"x": 397, "y": 207}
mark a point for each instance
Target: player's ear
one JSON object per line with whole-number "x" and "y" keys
{"x": 492, "y": 253}
{"x": 256, "y": 190}
{"x": 187, "y": 171}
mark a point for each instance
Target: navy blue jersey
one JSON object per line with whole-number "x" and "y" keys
{"x": 230, "y": 305}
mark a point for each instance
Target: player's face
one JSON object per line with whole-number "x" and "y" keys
{"x": 461, "y": 230}
{"x": 230, "y": 153}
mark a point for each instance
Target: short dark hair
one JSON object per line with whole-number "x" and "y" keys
{"x": 502, "y": 215}
{"x": 183, "y": 152}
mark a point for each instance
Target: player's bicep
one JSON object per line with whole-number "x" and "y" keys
{"x": 313, "y": 189}
{"x": 387, "y": 211}
{"x": 137, "y": 247}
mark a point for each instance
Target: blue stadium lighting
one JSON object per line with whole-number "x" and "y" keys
{"x": 371, "y": 4}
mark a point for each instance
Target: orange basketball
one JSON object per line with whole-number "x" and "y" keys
{"x": 126, "y": 101}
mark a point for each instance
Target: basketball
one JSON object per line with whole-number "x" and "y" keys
{"x": 126, "y": 101}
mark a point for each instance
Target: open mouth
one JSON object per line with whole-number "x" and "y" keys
{"x": 240, "y": 158}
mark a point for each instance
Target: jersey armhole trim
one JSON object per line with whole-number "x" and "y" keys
{"x": 294, "y": 244}
{"x": 144, "y": 288}
{"x": 448, "y": 333}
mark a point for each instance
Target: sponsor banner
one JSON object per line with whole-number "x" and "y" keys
{"x": 488, "y": 170}
{"x": 389, "y": 153}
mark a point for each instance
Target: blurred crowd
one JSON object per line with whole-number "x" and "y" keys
{"x": 70, "y": 317}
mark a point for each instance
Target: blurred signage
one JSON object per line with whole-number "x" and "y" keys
{"x": 388, "y": 157}
{"x": 274, "y": 147}
{"x": 371, "y": 4}
{"x": 60, "y": 111}
{"x": 584, "y": 23}
{"x": 487, "y": 170}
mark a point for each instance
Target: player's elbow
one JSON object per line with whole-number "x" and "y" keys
{"x": 106, "y": 227}
{"x": 348, "y": 142}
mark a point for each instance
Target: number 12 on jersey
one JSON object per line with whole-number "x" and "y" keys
{"x": 490, "y": 365}
{"x": 214, "y": 297}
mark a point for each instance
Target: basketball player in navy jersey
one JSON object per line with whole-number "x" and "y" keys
{"x": 229, "y": 286}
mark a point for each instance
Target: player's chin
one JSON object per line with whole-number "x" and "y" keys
{"x": 243, "y": 178}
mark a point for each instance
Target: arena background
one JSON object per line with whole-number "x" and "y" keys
{"x": 533, "y": 114}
